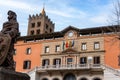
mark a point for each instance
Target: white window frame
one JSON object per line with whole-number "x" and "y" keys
{"x": 84, "y": 46}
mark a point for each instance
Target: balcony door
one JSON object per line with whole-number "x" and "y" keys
{"x": 69, "y": 77}
{"x": 57, "y": 62}
{"x": 69, "y": 61}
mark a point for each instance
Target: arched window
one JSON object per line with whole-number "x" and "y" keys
{"x": 44, "y": 79}
{"x": 96, "y": 79}
{"x": 69, "y": 77}
{"x": 55, "y": 79}
{"x": 83, "y": 79}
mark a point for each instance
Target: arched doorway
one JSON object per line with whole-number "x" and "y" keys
{"x": 44, "y": 79}
{"x": 55, "y": 79}
{"x": 69, "y": 77}
{"x": 96, "y": 79}
{"x": 83, "y": 79}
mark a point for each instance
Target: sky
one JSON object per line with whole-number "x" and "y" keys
{"x": 77, "y": 13}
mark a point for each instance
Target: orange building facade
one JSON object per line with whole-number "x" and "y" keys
{"x": 27, "y": 52}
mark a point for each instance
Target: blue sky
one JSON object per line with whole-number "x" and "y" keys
{"x": 78, "y": 13}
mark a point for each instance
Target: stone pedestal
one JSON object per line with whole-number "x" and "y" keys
{"x": 6, "y": 74}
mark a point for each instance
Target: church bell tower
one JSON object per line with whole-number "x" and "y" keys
{"x": 40, "y": 24}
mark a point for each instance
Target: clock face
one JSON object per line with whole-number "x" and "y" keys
{"x": 70, "y": 34}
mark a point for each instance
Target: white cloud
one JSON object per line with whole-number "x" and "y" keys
{"x": 15, "y": 4}
{"x": 61, "y": 12}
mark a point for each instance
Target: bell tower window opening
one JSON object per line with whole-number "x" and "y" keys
{"x": 32, "y": 32}
{"x": 32, "y": 25}
{"x": 46, "y": 26}
{"x": 38, "y": 31}
{"x": 38, "y": 24}
{"x": 50, "y": 30}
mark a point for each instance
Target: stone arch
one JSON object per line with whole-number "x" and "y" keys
{"x": 83, "y": 78}
{"x": 55, "y": 79}
{"x": 45, "y": 79}
{"x": 69, "y": 76}
{"x": 97, "y": 78}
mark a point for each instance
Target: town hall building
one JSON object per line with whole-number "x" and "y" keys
{"x": 69, "y": 54}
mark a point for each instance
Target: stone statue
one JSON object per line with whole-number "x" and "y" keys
{"x": 8, "y": 36}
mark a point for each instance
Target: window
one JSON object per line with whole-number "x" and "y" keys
{"x": 46, "y": 26}
{"x": 45, "y": 62}
{"x": 69, "y": 60}
{"x": 32, "y": 25}
{"x": 28, "y": 50}
{"x": 84, "y": 46}
{"x": 38, "y": 24}
{"x": 96, "y": 45}
{"x": 32, "y": 32}
{"x": 50, "y": 30}
{"x": 83, "y": 60}
{"x": 57, "y": 62}
{"x": 96, "y": 60}
{"x": 27, "y": 64}
{"x": 57, "y": 48}
{"x": 47, "y": 49}
{"x": 38, "y": 31}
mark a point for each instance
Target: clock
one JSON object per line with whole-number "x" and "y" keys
{"x": 70, "y": 34}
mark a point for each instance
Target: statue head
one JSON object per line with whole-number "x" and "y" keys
{"x": 12, "y": 15}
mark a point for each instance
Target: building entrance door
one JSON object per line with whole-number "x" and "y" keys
{"x": 69, "y": 77}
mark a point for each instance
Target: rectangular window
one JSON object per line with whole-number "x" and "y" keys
{"x": 32, "y": 25}
{"x": 84, "y": 46}
{"x": 26, "y": 64}
{"x": 57, "y": 48}
{"x": 57, "y": 62}
{"x": 96, "y": 60}
{"x": 45, "y": 62}
{"x": 28, "y": 51}
{"x": 96, "y": 45}
{"x": 47, "y": 49}
{"x": 83, "y": 60}
{"x": 69, "y": 60}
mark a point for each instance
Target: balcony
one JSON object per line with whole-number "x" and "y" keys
{"x": 68, "y": 67}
